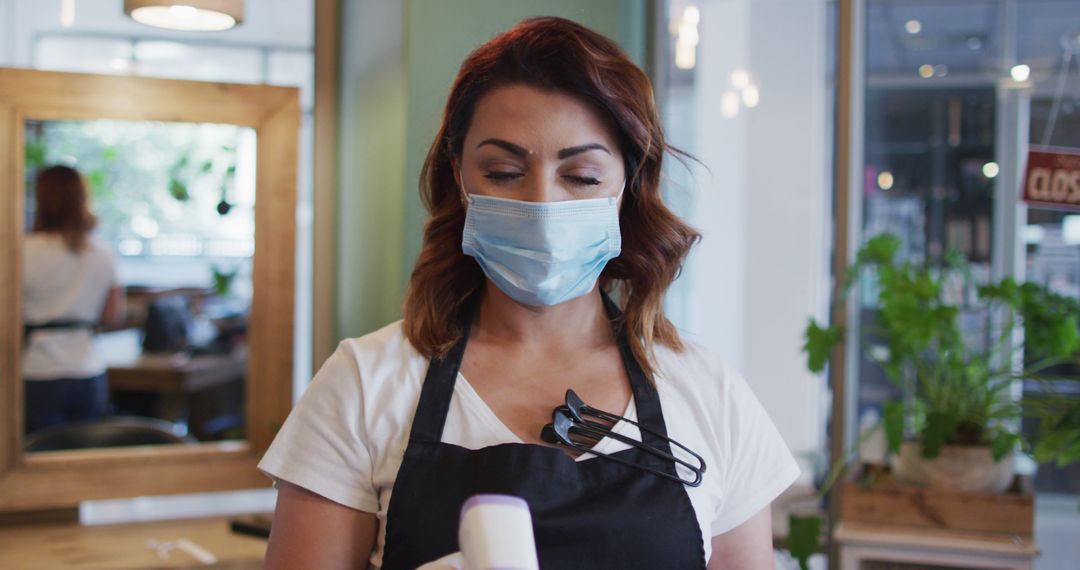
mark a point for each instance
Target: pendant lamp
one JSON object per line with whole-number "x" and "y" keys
{"x": 187, "y": 15}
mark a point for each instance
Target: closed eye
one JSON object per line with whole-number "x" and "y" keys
{"x": 583, "y": 180}
{"x": 498, "y": 176}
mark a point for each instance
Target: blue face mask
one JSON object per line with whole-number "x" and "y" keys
{"x": 542, "y": 253}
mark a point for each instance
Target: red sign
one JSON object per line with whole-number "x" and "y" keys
{"x": 1052, "y": 179}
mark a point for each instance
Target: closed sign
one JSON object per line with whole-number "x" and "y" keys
{"x": 1052, "y": 179}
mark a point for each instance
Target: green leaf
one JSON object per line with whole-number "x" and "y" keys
{"x": 879, "y": 250}
{"x": 35, "y": 156}
{"x": 803, "y": 536}
{"x": 819, "y": 344}
{"x": 96, "y": 179}
{"x": 178, "y": 190}
{"x": 1003, "y": 443}
{"x": 894, "y": 424}
{"x": 939, "y": 428}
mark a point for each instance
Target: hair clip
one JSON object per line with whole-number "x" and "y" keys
{"x": 578, "y": 409}
{"x": 599, "y": 431}
{"x": 563, "y": 426}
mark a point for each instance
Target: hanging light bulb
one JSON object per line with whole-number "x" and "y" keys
{"x": 187, "y": 15}
{"x": 67, "y": 13}
{"x": 686, "y": 40}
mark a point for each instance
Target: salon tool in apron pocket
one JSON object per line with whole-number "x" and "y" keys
{"x": 570, "y": 427}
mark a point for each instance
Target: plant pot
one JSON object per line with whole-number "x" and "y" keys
{"x": 957, "y": 468}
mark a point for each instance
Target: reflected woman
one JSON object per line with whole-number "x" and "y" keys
{"x": 70, "y": 288}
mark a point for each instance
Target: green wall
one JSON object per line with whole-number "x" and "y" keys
{"x": 374, "y": 261}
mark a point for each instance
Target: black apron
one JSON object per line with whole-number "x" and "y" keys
{"x": 590, "y": 514}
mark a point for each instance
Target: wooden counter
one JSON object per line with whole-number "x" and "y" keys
{"x": 127, "y": 546}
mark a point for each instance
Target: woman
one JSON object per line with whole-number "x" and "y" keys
{"x": 543, "y": 189}
{"x": 69, "y": 289}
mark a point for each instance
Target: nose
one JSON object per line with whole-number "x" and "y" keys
{"x": 544, "y": 187}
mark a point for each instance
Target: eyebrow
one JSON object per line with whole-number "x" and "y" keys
{"x": 518, "y": 150}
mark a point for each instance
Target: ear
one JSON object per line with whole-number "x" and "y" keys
{"x": 455, "y": 166}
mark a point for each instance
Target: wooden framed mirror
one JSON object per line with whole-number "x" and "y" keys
{"x": 268, "y": 117}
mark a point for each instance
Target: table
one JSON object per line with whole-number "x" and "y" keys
{"x": 861, "y": 543}
{"x": 174, "y": 379}
{"x": 125, "y": 546}
{"x": 176, "y": 372}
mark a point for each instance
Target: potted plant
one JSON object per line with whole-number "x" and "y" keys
{"x": 955, "y": 424}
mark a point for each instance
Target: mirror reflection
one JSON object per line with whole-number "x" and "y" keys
{"x": 136, "y": 282}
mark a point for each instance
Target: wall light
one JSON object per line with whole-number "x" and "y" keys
{"x": 885, "y": 180}
{"x": 187, "y": 15}
{"x": 1020, "y": 73}
{"x": 913, "y": 26}
{"x": 990, "y": 169}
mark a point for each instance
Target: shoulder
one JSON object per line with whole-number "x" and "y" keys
{"x": 39, "y": 242}
{"x": 694, "y": 372}
{"x": 372, "y": 371}
{"x": 99, "y": 248}
{"x": 707, "y": 396}
{"x": 710, "y": 403}
{"x": 386, "y": 351}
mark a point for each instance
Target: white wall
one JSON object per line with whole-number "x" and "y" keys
{"x": 762, "y": 268}
{"x": 7, "y": 32}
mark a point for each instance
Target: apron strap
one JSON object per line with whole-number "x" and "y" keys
{"x": 442, "y": 373}
{"x": 646, "y": 398}
{"x": 438, "y": 388}
{"x": 59, "y": 324}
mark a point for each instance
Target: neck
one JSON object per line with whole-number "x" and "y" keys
{"x": 577, "y": 323}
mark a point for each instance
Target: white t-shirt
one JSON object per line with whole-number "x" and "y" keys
{"x": 59, "y": 284}
{"x": 346, "y": 437}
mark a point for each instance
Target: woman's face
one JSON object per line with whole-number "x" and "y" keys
{"x": 539, "y": 146}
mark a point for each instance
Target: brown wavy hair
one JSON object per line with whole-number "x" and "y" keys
{"x": 62, "y": 206}
{"x": 552, "y": 54}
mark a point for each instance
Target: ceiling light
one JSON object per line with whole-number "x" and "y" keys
{"x": 187, "y": 15}
{"x": 926, "y": 71}
{"x": 67, "y": 13}
{"x": 885, "y": 180}
{"x": 686, "y": 41}
{"x": 751, "y": 96}
{"x": 729, "y": 104}
{"x": 740, "y": 79}
{"x": 1020, "y": 73}
{"x": 692, "y": 15}
{"x": 913, "y": 26}
{"x": 990, "y": 169}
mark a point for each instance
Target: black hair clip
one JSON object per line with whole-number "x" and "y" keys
{"x": 569, "y": 427}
